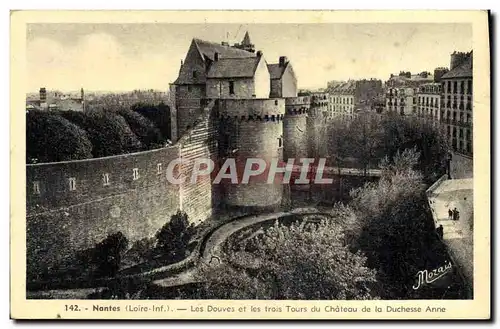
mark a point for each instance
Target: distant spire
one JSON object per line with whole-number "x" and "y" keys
{"x": 246, "y": 44}
{"x": 246, "y": 40}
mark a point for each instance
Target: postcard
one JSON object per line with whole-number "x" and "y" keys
{"x": 250, "y": 165}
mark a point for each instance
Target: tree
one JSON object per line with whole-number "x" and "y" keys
{"x": 368, "y": 139}
{"x": 109, "y": 132}
{"x": 159, "y": 115}
{"x": 305, "y": 260}
{"x": 173, "y": 238}
{"x": 149, "y": 135}
{"x": 107, "y": 254}
{"x": 51, "y": 138}
{"x": 397, "y": 230}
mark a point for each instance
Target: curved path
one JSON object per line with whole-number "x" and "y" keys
{"x": 212, "y": 252}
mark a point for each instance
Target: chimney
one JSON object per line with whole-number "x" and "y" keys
{"x": 216, "y": 57}
{"x": 283, "y": 61}
{"x": 259, "y": 53}
{"x": 43, "y": 95}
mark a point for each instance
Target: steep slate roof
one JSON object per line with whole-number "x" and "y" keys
{"x": 276, "y": 71}
{"x": 464, "y": 70}
{"x": 345, "y": 88}
{"x": 234, "y": 68}
{"x": 208, "y": 49}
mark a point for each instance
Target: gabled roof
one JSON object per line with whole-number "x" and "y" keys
{"x": 208, "y": 49}
{"x": 234, "y": 68}
{"x": 464, "y": 70}
{"x": 276, "y": 71}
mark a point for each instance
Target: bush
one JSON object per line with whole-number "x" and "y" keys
{"x": 51, "y": 138}
{"x": 149, "y": 135}
{"x": 173, "y": 238}
{"x": 109, "y": 132}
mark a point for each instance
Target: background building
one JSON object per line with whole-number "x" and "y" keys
{"x": 353, "y": 96}
{"x": 456, "y": 100}
{"x": 429, "y": 102}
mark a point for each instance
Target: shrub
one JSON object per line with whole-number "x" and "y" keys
{"x": 51, "y": 138}
{"x": 173, "y": 238}
{"x": 107, "y": 254}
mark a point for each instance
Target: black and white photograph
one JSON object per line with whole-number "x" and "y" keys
{"x": 251, "y": 161}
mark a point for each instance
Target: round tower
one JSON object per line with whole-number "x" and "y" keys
{"x": 295, "y": 138}
{"x": 251, "y": 128}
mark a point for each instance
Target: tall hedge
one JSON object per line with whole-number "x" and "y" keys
{"x": 157, "y": 114}
{"x": 109, "y": 132}
{"x": 149, "y": 135}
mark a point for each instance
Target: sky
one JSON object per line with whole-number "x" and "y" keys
{"x": 122, "y": 57}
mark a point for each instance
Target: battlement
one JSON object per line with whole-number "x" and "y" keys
{"x": 251, "y": 109}
{"x": 297, "y": 105}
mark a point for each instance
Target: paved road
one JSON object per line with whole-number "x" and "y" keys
{"x": 213, "y": 248}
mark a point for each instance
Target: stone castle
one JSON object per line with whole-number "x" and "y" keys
{"x": 255, "y": 109}
{"x": 229, "y": 102}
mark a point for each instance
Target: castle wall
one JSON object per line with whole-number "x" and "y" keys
{"x": 199, "y": 198}
{"x": 295, "y": 130}
{"x": 252, "y": 128}
{"x": 61, "y": 220}
{"x": 275, "y": 88}
{"x": 289, "y": 83}
{"x": 262, "y": 80}
{"x": 219, "y": 88}
{"x": 189, "y": 102}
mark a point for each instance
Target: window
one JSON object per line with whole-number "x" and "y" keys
{"x": 231, "y": 87}
{"x": 158, "y": 169}
{"x": 280, "y": 142}
{"x": 135, "y": 173}
{"x": 72, "y": 183}
{"x": 195, "y": 74}
{"x": 462, "y": 87}
{"x": 36, "y": 187}
{"x": 469, "y": 87}
{"x": 105, "y": 179}
{"x": 455, "y": 87}
{"x": 189, "y": 88}
{"x": 449, "y": 86}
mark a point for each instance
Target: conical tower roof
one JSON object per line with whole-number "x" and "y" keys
{"x": 246, "y": 40}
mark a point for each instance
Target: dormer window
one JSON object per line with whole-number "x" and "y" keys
{"x": 158, "y": 168}
{"x": 135, "y": 173}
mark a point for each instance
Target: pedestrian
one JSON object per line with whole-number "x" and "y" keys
{"x": 439, "y": 231}
{"x": 455, "y": 214}
{"x": 450, "y": 214}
